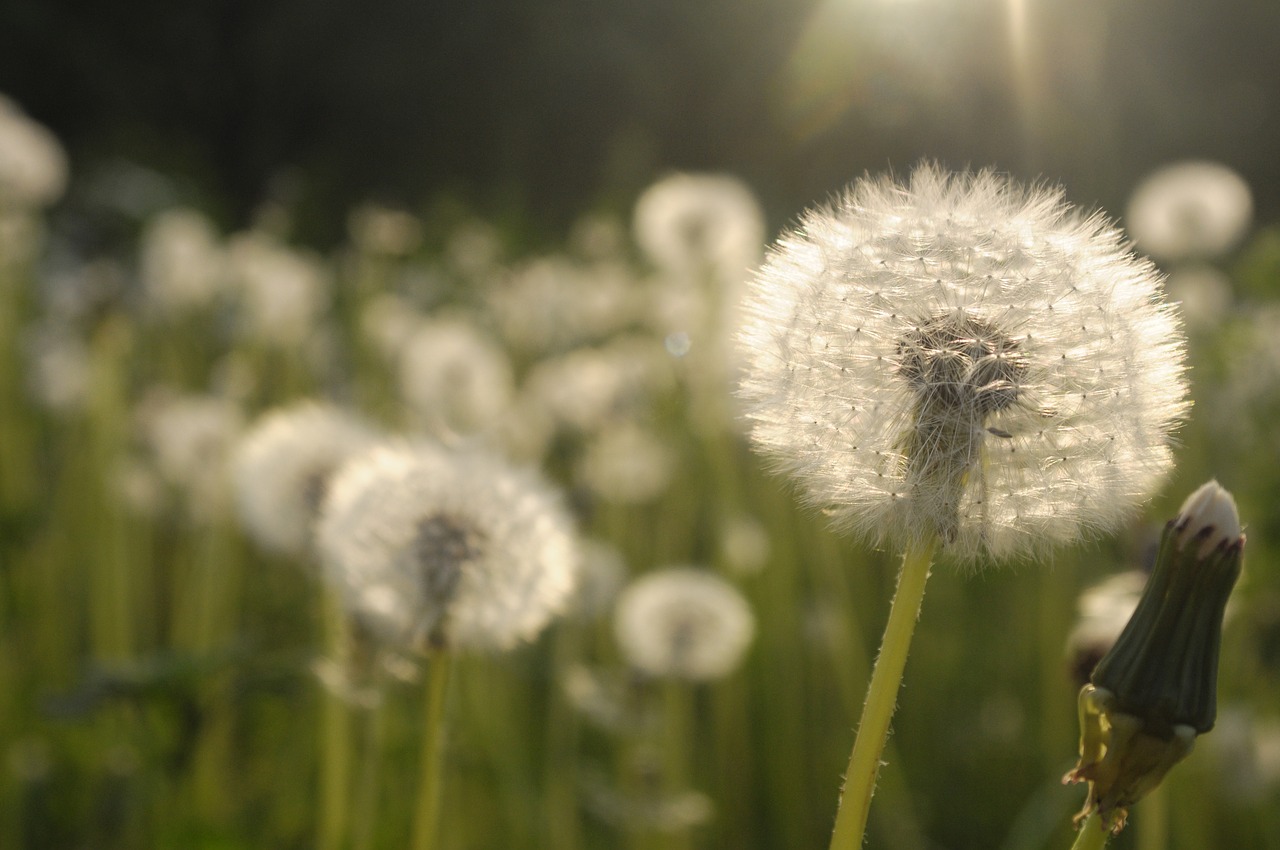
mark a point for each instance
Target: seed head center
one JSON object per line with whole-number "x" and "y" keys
{"x": 442, "y": 547}
{"x": 957, "y": 363}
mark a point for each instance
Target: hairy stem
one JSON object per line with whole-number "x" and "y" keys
{"x": 882, "y": 696}
{"x": 1092, "y": 835}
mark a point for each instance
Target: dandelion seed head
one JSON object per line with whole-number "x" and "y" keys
{"x": 182, "y": 266}
{"x": 435, "y": 550}
{"x": 189, "y": 438}
{"x": 385, "y": 232}
{"x": 554, "y": 303}
{"x": 284, "y": 293}
{"x": 281, "y": 468}
{"x": 960, "y": 356}
{"x": 627, "y": 464}
{"x": 455, "y": 379}
{"x": 689, "y": 224}
{"x": 33, "y": 165}
{"x": 588, "y": 389}
{"x": 1190, "y": 210}
{"x": 683, "y": 622}
{"x": 744, "y": 544}
{"x": 1204, "y": 293}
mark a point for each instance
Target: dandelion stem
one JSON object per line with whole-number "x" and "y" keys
{"x": 335, "y": 730}
{"x": 1153, "y": 820}
{"x": 882, "y": 695}
{"x": 1092, "y": 835}
{"x": 427, "y": 815}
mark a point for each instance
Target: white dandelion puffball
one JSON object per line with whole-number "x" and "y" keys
{"x": 683, "y": 622}
{"x": 964, "y": 357}
{"x": 694, "y": 223}
{"x": 455, "y": 379}
{"x": 282, "y": 465}
{"x": 182, "y": 265}
{"x": 435, "y": 550}
{"x": 33, "y": 165}
{"x": 284, "y": 292}
{"x": 1190, "y": 210}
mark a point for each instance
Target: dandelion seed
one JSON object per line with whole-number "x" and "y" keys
{"x": 281, "y": 468}
{"x": 434, "y": 550}
{"x": 684, "y": 623}
{"x": 965, "y": 358}
{"x": 1190, "y": 210}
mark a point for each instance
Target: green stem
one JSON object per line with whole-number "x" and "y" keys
{"x": 427, "y": 814}
{"x": 366, "y": 802}
{"x": 882, "y": 696}
{"x": 335, "y": 730}
{"x": 1153, "y": 820}
{"x": 1092, "y": 835}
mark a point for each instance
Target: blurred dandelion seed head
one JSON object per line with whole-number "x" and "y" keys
{"x": 33, "y": 165}
{"x": 182, "y": 265}
{"x": 692, "y": 224}
{"x": 1190, "y": 210}
{"x": 190, "y": 438}
{"x": 963, "y": 356}
{"x": 439, "y": 550}
{"x": 684, "y": 623}
{"x": 281, "y": 468}
{"x": 455, "y": 378}
{"x": 627, "y": 464}
{"x": 283, "y": 292}
{"x": 1204, "y": 293}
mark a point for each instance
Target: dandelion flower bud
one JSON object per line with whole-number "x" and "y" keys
{"x": 1105, "y": 609}
{"x": 435, "y": 551}
{"x": 1156, "y": 690}
{"x": 683, "y": 622}
{"x": 282, "y": 466}
{"x": 1190, "y": 210}
{"x": 963, "y": 357}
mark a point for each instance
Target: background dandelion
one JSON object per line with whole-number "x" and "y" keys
{"x": 440, "y": 551}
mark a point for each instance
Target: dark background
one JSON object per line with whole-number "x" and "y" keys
{"x": 541, "y": 110}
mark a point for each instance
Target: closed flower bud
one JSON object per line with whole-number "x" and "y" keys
{"x": 1156, "y": 690}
